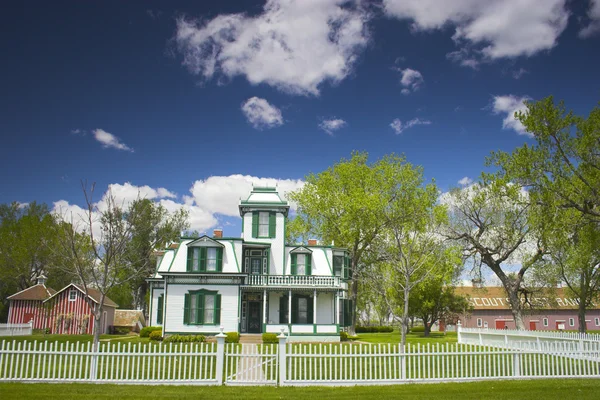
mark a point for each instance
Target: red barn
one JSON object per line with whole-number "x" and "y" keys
{"x": 71, "y": 311}
{"x": 27, "y": 305}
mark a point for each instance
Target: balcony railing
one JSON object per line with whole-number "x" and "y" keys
{"x": 293, "y": 280}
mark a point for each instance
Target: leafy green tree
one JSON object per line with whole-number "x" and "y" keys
{"x": 27, "y": 235}
{"x": 492, "y": 222}
{"x": 345, "y": 205}
{"x": 574, "y": 246}
{"x": 562, "y": 168}
{"x": 435, "y": 300}
{"x": 153, "y": 228}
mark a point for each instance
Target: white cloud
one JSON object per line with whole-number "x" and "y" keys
{"x": 466, "y": 181}
{"x": 411, "y": 80}
{"x": 518, "y": 74}
{"x": 109, "y": 140}
{"x": 488, "y": 29}
{"x": 398, "y": 126}
{"x": 261, "y": 114}
{"x": 293, "y": 46}
{"x": 209, "y": 198}
{"x": 593, "y": 27}
{"x": 508, "y": 105}
{"x": 332, "y": 125}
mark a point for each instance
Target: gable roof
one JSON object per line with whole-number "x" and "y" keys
{"x": 301, "y": 249}
{"x": 205, "y": 241}
{"x": 94, "y": 294}
{"x": 36, "y": 292}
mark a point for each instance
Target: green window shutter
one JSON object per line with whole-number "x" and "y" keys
{"x": 310, "y": 310}
{"x": 272, "y": 219}
{"x": 159, "y": 309}
{"x": 283, "y": 308}
{"x": 219, "y": 259}
{"x": 200, "y": 314}
{"x": 346, "y": 263}
{"x": 190, "y": 258}
{"x": 254, "y": 224}
{"x": 217, "y": 313}
{"x": 308, "y": 259}
{"x": 186, "y": 309}
{"x": 202, "y": 259}
{"x": 294, "y": 309}
{"x": 294, "y": 263}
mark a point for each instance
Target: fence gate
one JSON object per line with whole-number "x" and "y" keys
{"x": 251, "y": 364}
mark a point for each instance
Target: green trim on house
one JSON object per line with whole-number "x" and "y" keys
{"x": 175, "y": 256}
{"x": 237, "y": 264}
{"x": 284, "y": 236}
{"x": 193, "y": 333}
{"x": 164, "y": 323}
{"x": 264, "y": 244}
{"x": 328, "y": 263}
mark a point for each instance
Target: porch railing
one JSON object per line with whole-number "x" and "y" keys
{"x": 292, "y": 280}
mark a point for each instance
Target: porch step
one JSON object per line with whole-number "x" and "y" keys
{"x": 255, "y": 338}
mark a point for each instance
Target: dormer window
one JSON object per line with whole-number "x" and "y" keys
{"x": 204, "y": 255}
{"x": 301, "y": 261}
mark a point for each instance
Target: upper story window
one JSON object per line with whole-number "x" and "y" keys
{"x": 263, "y": 224}
{"x": 72, "y": 294}
{"x": 205, "y": 259}
{"x": 301, "y": 264}
{"x": 256, "y": 261}
{"x": 341, "y": 265}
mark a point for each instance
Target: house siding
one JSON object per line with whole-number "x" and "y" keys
{"x": 23, "y": 311}
{"x": 175, "y": 303}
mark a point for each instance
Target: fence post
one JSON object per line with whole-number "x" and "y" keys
{"x": 282, "y": 357}
{"x": 516, "y": 364}
{"x": 31, "y": 327}
{"x": 220, "y": 355}
{"x": 458, "y": 331}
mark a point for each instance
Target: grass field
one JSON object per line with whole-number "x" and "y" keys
{"x": 543, "y": 389}
{"x": 411, "y": 338}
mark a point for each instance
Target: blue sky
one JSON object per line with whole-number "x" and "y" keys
{"x": 188, "y": 103}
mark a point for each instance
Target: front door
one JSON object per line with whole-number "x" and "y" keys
{"x": 254, "y": 319}
{"x": 532, "y": 326}
{"x": 500, "y": 324}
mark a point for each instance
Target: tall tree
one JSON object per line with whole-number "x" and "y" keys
{"x": 154, "y": 228}
{"x": 574, "y": 246}
{"x": 27, "y": 235}
{"x": 345, "y": 204}
{"x": 562, "y": 168}
{"x": 103, "y": 248}
{"x": 492, "y": 222}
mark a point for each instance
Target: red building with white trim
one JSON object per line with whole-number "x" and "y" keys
{"x": 71, "y": 311}
{"x": 27, "y": 305}
{"x": 552, "y": 311}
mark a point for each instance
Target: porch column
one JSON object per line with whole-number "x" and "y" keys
{"x": 290, "y": 306}
{"x": 265, "y": 306}
{"x": 315, "y": 308}
{"x": 336, "y": 313}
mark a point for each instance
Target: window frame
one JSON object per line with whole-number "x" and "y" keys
{"x": 479, "y": 322}
{"x": 263, "y": 224}
{"x": 571, "y": 321}
{"x": 73, "y": 295}
{"x": 597, "y": 321}
{"x": 545, "y": 321}
{"x": 270, "y": 223}
{"x": 308, "y": 270}
{"x": 197, "y": 259}
{"x": 338, "y": 270}
{"x": 160, "y": 308}
{"x": 199, "y": 310}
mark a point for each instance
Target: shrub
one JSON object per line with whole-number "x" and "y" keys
{"x": 270, "y": 338}
{"x": 145, "y": 332}
{"x": 344, "y": 336}
{"x": 156, "y": 335}
{"x": 232, "y": 337}
{"x": 374, "y": 329}
{"x": 121, "y": 330}
{"x": 185, "y": 339}
{"x": 417, "y": 329}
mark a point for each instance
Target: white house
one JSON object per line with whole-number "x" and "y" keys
{"x": 255, "y": 283}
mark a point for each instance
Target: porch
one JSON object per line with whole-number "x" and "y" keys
{"x": 293, "y": 281}
{"x": 299, "y": 311}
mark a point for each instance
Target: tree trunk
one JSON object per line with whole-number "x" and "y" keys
{"x": 427, "y": 328}
{"x": 515, "y": 308}
{"x": 353, "y": 297}
{"x": 405, "y": 318}
{"x": 581, "y": 315}
{"x": 97, "y": 328}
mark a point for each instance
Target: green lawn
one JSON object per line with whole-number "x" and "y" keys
{"x": 411, "y": 338}
{"x": 543, "y": 389}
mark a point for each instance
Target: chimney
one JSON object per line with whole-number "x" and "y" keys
{"x": 41, "y": 280}
{"x": 312, "y": 242}
{"x": 218, "y": 233}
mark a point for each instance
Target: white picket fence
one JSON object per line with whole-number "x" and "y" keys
{"x": 16, "y": 329}
{"x": 183, "y": 363}
{"x": 516, "y": 339}
{"x": 290, "y": 364}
